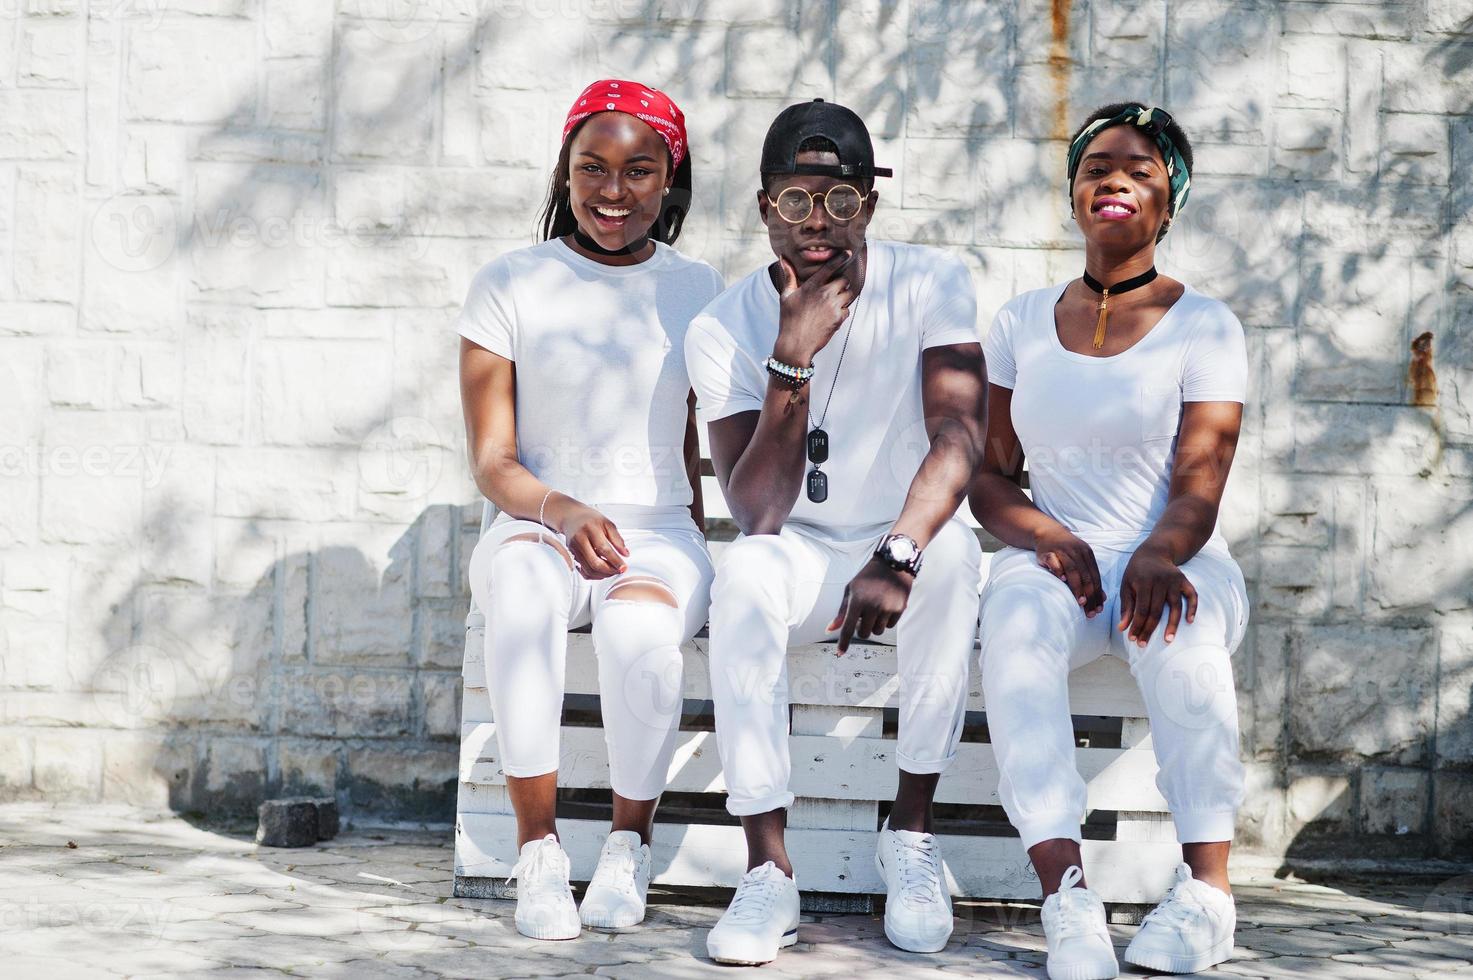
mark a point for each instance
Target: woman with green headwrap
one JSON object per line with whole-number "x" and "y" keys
{"x": 1123, "y": 390}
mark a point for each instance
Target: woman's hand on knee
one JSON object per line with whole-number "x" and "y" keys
{"x": 1072, "y": 561}
{"x": 1153, "y": 582}
{"x": 596, "y": 544}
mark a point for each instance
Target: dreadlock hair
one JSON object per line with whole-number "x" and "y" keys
{"x": 557, "y": 217}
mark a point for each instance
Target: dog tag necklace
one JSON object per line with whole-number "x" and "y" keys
{"x": 818, "y": 439}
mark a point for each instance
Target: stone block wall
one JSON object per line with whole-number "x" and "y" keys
{"x": 234, "y": 509}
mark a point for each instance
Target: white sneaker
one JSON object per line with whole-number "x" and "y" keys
{"x": 545, "y": 908}
{"x": 1079, "y": 945}
{"x": 917, "y": 903}
{"x": 761, "y": 919}
{"x": 1190, "y": 930}
{"x": 616, "y": 896}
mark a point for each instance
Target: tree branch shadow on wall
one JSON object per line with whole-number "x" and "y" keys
{"x": 1270, "y": 274}
{"x": 1401, "y": 796}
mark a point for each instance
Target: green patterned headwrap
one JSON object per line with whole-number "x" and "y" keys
{"x": 1153, "y": 123}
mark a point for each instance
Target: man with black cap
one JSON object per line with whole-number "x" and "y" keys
{"x": 843, "y": 387}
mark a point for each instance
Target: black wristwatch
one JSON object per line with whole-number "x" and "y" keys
{"x": 900, "y": 552}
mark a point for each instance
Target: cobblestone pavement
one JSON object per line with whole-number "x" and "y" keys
{"x": 147, "y": 894}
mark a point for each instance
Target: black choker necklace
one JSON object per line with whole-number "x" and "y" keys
{"x": 585, "y": 242}
{"x": 1124, "y": 286}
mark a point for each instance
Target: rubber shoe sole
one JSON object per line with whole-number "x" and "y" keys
{"x": 549, "y": 931}
{"x": 911, "y": 944}
{"x": 606, "y": 924}
{"x": 1082, "y": 971}
{"x": 789, "y": 938}
{"x": 1155, "y": 960}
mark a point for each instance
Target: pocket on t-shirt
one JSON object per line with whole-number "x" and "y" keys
{"x": 1160, "y": 412}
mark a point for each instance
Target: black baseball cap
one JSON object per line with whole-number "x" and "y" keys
{"x": 833, "y": 122}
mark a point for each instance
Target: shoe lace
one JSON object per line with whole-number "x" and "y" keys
{"x": 1075, "y": 907}
{"x": 920, "y": 871}
{"x": 1180, "y": 910}
{"x": 1075, "y": 913}
{"x": 754, "y": 897}
{"x": 542, "y": 867}
{"x": 617, "y": 866}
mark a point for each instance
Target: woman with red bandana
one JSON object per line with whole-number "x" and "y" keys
{"x": 579, "y": 419}
{"x": 1123, "y": 389}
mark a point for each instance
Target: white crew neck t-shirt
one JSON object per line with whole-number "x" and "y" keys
{"x": 601, "y": 379}
{"x": 914, "y": 297}
{"x": 1099, "y": 433}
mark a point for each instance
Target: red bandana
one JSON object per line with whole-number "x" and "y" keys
{"x": 640, "y": 101}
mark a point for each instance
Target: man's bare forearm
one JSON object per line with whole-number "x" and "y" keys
{"x": 940, "y": 483}
{"x": 766, "y": 480}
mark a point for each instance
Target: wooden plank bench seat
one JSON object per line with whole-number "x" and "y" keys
{"x": 844, "y": 776}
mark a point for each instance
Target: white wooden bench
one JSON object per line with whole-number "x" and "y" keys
{"x": 844, "y": 775}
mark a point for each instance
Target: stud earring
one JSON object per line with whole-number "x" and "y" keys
{"x": 667, "y": 192}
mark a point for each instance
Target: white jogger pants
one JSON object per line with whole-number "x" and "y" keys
{"x": 773, "y": 590}
{"x": 1034, "y": 633}
{"x": 531, "y": 598}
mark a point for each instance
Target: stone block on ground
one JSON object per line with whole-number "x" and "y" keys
{"x": 327, "y": 818}
{"x": 297, "y": 821}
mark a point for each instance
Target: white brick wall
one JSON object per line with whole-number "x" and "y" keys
{"x": 234, "y": 511}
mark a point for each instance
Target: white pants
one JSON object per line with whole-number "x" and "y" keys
{"x": 531, "y": 598}
{"x": 1034, "y": 633}
{"x": 773, "y": 590}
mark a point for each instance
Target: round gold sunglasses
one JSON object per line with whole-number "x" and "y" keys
{"x": 841, "y": 201}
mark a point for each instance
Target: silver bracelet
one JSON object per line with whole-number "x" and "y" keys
{"x": 541, "y": 511}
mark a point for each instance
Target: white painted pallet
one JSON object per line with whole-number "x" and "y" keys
{"x": 843, "y": 766}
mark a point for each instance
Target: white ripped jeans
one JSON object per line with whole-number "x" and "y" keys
{"x": 773, "y": 590}
{"x": 1034, "y": 633}
{"x": 531, "y": 598}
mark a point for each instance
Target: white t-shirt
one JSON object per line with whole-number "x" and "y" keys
{"x": 913, "y": 298}
{"x": 601, "y": 379}
{"x": 1099, "y": 433}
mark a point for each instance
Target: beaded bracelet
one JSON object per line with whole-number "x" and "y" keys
{"x": 795, "y": 377}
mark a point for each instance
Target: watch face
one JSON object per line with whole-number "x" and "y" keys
{"x": 902, "y": 550}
